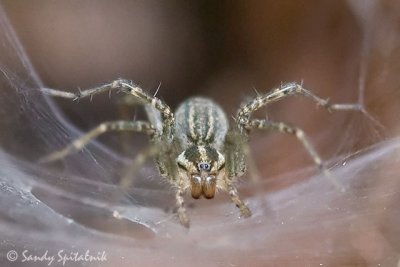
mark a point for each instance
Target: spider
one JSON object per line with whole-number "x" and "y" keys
{"x": 196, "y": 150}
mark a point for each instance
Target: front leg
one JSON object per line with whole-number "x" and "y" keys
{"x": 236, "y": 151}
{"x": 233, "y": 193}
{"x": 128, "y": 87}
{"x": 183, "y": 217}
{"x": 287, "y": 89}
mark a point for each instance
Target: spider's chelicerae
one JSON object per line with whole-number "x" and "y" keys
{"x": 196, "y": 148}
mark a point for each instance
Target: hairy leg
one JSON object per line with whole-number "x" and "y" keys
{"x": 301, "y": 136}
{"x": 78, "y": 144}
{"x": 127, "y": 87}
{"x": 183, "y": 217}
{"x": 233, "y": 193}
{"x": 287, "y": 89}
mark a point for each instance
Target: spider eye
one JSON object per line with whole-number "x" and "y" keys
{"x": 204, "y": 166}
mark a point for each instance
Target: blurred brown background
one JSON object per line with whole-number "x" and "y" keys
{"x": 225, "y": 50}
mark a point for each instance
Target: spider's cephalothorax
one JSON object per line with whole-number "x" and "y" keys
{"x": 201, "y": 166}
{"x": 195, "y": 149}
{"x": 200, "y": 129}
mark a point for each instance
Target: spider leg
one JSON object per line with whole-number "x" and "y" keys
{"x": 233, "y": 193}
{"x": 183, "y": 217}
{"x": 140, "y": 159}
{"x": 127, "y": 87}
{"x": 128, "y": 177}
{"x": 236, "y": 151}
{"x": 126, "y": 180}
{"x": 244, "y": 113}
{"x": 78, "y": 144}
{"x": 301, "y": 136}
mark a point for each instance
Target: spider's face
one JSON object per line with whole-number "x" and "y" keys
{"x": 201, "y": 165}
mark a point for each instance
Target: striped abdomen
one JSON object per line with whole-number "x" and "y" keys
{"x": 200, "y": 121}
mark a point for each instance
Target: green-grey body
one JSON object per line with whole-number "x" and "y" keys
{"x": 200, "y": 122}
{"x": 193, "y": 148}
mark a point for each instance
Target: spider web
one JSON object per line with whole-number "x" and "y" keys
{"x": 309, "y": 223}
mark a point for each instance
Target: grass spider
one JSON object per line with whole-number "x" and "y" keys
{"x": 196, "y": 148}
